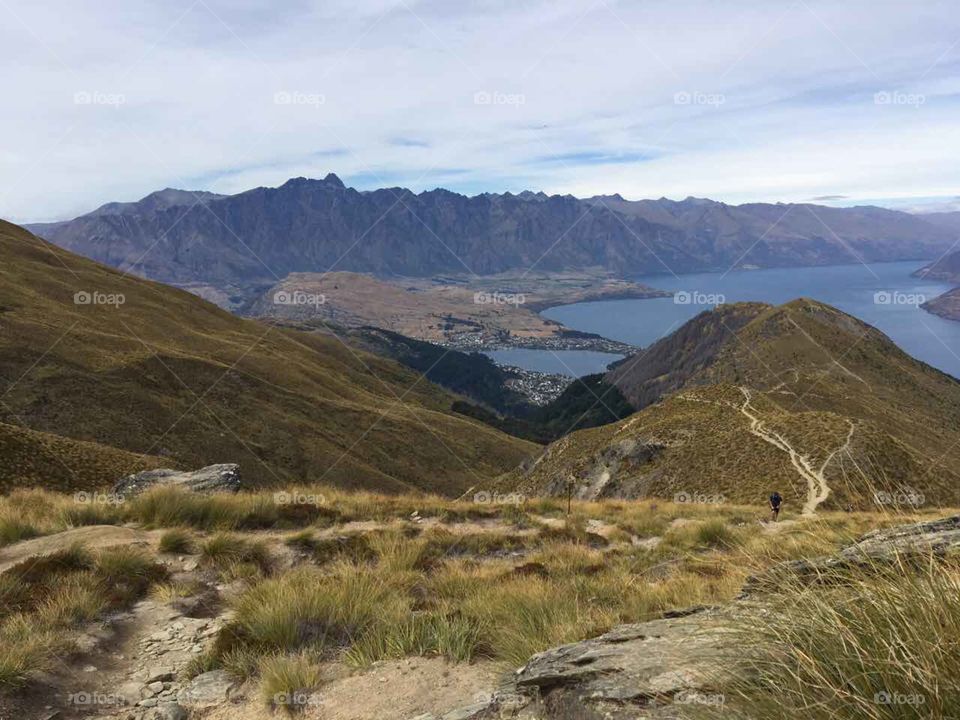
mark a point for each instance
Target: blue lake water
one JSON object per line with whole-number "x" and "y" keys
{"x": 574, "y": 363}
{"x": 861, "y": 290}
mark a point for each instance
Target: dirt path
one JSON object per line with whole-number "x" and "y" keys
{"x": 91, "y": 536}
{"x": 817, "y": 488}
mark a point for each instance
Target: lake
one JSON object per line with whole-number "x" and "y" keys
{"x": 882, "y": 294}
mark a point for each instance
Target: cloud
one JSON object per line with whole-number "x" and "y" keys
{"x": 750, "y": 101}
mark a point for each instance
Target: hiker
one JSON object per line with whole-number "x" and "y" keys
{"x": 775, "y": 502}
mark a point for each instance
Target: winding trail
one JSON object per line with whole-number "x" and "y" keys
{"x": 817, "y": 488}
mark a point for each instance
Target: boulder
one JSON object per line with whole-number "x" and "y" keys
{"x": 214, "y": 478}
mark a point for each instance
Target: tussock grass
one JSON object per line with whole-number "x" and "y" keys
{"x": 12, "y": 530}
{"x": 370, "y": 591}
{"x": 176, "y": 541}
{"x": 287, "y": 681}
{"x": 229, "y": 553}
{"x": 43, "y": 600}
{"x": 866, "y": 647}
{"x": 309, "y": 610}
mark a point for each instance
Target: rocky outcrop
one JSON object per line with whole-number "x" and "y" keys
{"x": 645, "y": 670}
{"x": 902, "y": 543}
{"x": 214, "y": 478}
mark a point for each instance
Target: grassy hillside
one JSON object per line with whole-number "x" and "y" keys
{"x": 167, "y": 374}
{"x": 802, "y": 398}
{"x": 37, "y": 459}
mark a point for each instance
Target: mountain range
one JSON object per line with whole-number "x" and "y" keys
{"x": 105, "y": 374}
{"x": 749, "y": 398}
{"x": 222, "y": 246}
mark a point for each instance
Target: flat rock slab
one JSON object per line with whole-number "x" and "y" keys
{"x": 936, "y": 538}
{"x": 645, "y": 670}
{"x": 207, "y": 690}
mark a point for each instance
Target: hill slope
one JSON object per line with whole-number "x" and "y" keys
{"x": 165, "y": 373}
{"x": 36, "y": 459}
{"x": 946, "y": 305}
{"x": 946, "y": 268}
{"x": 802, "y": 398}
{"x": 258, "y": 237}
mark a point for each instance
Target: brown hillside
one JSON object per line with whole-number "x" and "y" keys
{"x": 802, "y": 397}
{"x": 168, "y": 374}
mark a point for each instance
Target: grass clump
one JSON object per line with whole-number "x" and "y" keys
{"x": 310, "y": 611}
{"x": 716, "y": 534}
{"x": 176, "y": 541}
{"x": 286, "y": 681}
{"x": 43, "y": 600}
{"x": 236, "y": 555}
{"x": 871, "y": 647}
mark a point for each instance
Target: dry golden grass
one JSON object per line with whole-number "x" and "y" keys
{"x": 465, "y": 581}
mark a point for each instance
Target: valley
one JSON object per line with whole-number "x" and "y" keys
{"x": 461, "y": 312}
{"x": 480, "y": 361}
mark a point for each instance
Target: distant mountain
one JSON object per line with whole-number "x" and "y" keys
{"x": 946, "y": 306}
{"x": 946, "y": 268}
{"x": 750, "y": 398}
{"x": 139, "y": 371}
{"x": 260, "y": 236}
{"x": 948, "y": 220}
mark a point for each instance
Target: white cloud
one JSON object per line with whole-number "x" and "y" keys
{"x": 737, "y": 101}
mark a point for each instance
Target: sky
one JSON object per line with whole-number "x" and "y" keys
{"x": 740, "y": 101}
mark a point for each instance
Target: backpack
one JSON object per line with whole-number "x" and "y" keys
{"x": 775, "y": 499}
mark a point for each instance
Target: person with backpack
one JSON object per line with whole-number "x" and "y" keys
{"x": 775, "y": 502}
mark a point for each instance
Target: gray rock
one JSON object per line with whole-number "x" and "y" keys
{"x": 166, "y": 711}
{"x": 935, "y": 538}
{"x": 207, "y": 690}
{"x": 160, "y": 672}
{"x": 214, "y": 478}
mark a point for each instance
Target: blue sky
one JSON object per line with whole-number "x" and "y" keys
{"x": 738, "y": 101}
